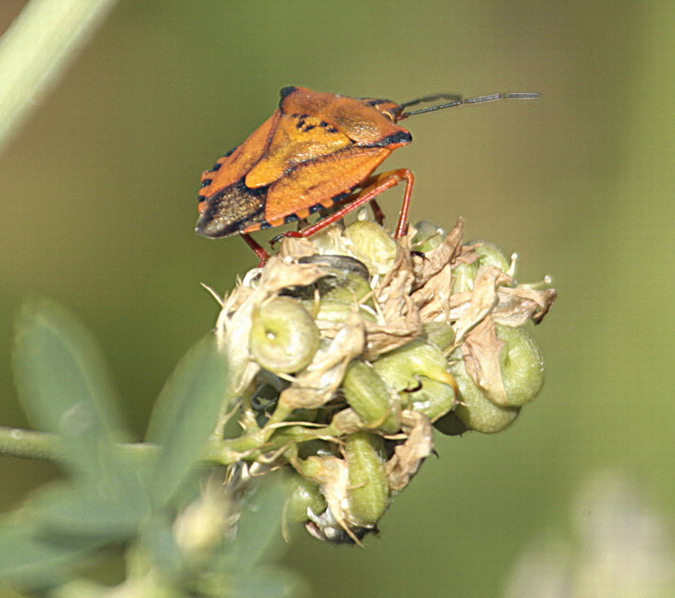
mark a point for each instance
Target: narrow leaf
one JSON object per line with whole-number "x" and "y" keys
{"x": 186, "y": 414}
{"x": 63, "y": 385}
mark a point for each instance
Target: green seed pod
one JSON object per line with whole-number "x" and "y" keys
{"x": 476, "y": 411}
{"x": 463, "y": 276}
{"x": 440, "y": 334}
{"x": 428, "y": 236}
{"x": 372, "y": 245}
{"x": 369, "y": 397}
{"x": 347, "y": 287}
{"x": 332, "y": 310}
{"x": 401, "y": 368}
{"x": 522, "y": 365}
{"x": 368, "y": 486}
{"x": 433, "y": 398}
{"x": 304, "y": 497}
{"x": 347, "y": 279}
{"x": 284, "y": 337}
{"x": 491, "y": 255}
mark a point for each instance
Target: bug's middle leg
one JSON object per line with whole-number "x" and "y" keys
{"x": 372, "y": 187}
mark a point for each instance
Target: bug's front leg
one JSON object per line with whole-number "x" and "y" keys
{"x": 263, "y": 256}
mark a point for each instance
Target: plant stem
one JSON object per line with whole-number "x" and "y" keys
{"x": 36, "y": 50}
{"x": 15, "y": 442}
{"x": 28, "y": 444}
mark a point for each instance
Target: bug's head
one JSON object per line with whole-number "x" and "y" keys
{"x": 390, "y": 109}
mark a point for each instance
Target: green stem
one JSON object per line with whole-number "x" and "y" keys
{"x": 265, "y": 441}
{"x": 36, "y": 50}
{"x": 28, "y": 444}
{"x": 15, "y": 442}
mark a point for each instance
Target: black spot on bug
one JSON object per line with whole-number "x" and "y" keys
{"x": 228, "y": 154}
{"x": 284, "y": 92}
{"x": 206, "y": 182}
{"x": 400, "y": 137}
{"x": 291, "y": 218}
{"x": 316, "y": 207}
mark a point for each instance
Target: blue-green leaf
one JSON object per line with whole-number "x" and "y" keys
{"x": 65, "y": 389}
{"x": 249, "y": 560}
{"x": 30, "y": 560}
{"x": 82, "y": 512}
{"x": 63, "y": 385}
{"x": 258, "y": 538}
{"x": 269, "y": 582}
{"x": 186, "y": 414}
{"x": 259, "y": 535}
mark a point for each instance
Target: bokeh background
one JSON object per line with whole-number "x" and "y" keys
{"x": 98, "y": 209}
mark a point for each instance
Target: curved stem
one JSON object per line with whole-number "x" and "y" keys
{"x": 36, "y": 50}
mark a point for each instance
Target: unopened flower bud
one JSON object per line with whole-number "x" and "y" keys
{"x": 432, "y": 398}
{"x": 491, "y": 255}
{"x": 463, "y": 276}
{"x": 402, "y": 367}
{"x": 368, "y": 486}
{"x": 440, "y": 334}
{"x": 428, "y": 236}
{"x": 372, "y": 245}
{"x": 344, "y": 285}
{"x": 284, "y": 337}
{"x": 522, "y": 365}
{"x": 303, "y": 500}
{"x": 476, "y": 410}
{"x": 337, "y": 311}
{"x": 370, "y": 398}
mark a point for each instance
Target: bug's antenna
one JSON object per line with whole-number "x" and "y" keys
{"x": 457, "y": 100}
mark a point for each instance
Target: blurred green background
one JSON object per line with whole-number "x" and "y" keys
{"x": 99, "y": 204}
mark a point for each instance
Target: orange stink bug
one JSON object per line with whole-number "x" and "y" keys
{"x": 317, "y": 152}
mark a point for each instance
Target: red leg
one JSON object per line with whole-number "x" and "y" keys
{"x": 263, "y": 256}
{"x": 380, "y": 184}
{"x": 377, "y": 212}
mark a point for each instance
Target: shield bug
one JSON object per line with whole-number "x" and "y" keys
{"x": 317, "y": 152}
